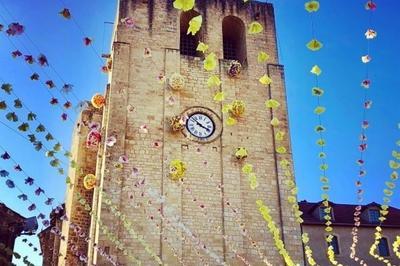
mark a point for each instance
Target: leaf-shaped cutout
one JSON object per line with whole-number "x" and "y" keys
{"x": 255, "y": 27}
{"x": 314, "y": 45}
{"x": 195, "y": 25}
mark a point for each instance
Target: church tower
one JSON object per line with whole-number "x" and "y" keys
{"x": 137, "y": 211}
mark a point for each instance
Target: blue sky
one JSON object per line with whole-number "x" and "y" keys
{"x": 340, "y": 26}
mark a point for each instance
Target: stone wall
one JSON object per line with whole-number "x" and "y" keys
{"x": 86, "y": 159}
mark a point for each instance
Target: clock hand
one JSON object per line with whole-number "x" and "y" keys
{"x": 199, "y": 124}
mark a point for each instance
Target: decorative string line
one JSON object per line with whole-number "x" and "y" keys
{"x": 25, "y": 127}
{"x": 60, "y": 170}
{"x": 83, "y": 202}
{"x": 140, "y": 185}
{"x": 64, "y": 115}
{"x": 176, "y": 221}
{"x": 370, "y": 34}
{"x": 235, "y": 212}
{"x": 83, "y": 35}
{"x": 203, "y": 208}
{"x": 394, "y": 164}
{"x": 173, "y": 220}
{"x": 128, "y": 226}
{"x": 83, "y": 258}
{"x": 396, "y": 246}
{"x": 31, "y": 245}
{"x": 49, "y": 200}
{"x": 29, "y": 181}
{"x": 16, "y": 255}
{"x": 25, "y": 106}
{"x": 265, "y": 212}
{"x": 279, "y": 137}
{"x": 32, "y": 207}
{"x": 31, "y": 116}
{"x": 314, "y": 45}
{"x": 26, "y": 34}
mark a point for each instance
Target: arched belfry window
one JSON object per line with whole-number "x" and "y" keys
{"x": 234, "y": 39}
{"x": 188, "y": 42}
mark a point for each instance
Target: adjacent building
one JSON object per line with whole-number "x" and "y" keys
{"x": 49, "y": 242}
{"x": 12, "y": 225}
{"x": 343, "y": 222}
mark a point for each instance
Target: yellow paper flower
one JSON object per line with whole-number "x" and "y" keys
{"x": 231, "y": 121}
{"x": 210, "y": 62}
{"x": 312, "y": 6}
{"x": 202, "y": 47}
{"x": 195, "y": 25}
{"x": 219, "y": 96}
{"x": 275, "y": 122}
{"x": 184, "y": 5}
{"x": 262, "y": 57}
{"x": 265, "y": 80}
{"x": 394, "y": 165}
{"x": 213, "y": 81}
{"x": 247, "y": 168}
{"x": 316, "y": 70}
{"x": 238, "y": 108}
{"x": 241, "y": 153}
{"x": 280, "y": 135}
{"x": 255, "y": 27}
{"x": 177, "y": 169}
{"x": 319, "y": 110}
{"x": 226, "y": 108}
{"x": 273, "y": 104}
{"x": 314, "y": 45}
{"x": 281, "y": 150}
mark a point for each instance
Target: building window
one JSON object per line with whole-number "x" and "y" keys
{"x": 383, "y": 247}
{"x": 234, "y": 39}
{"x": 335, "y": 245}
{"x": 188, "y": 42}
{"x": 374, "y": 215}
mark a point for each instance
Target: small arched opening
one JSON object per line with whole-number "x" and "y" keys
{"x": 188, "y": 42}
{"x": 234, "y": 39}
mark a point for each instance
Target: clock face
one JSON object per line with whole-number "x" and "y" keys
{"x": 200, "y": 125}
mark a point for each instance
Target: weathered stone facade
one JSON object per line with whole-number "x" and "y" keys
{"x": 135, "y": 97}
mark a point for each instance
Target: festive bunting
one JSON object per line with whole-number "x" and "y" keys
{"x": 195, "y": 25}
{"x": 184, "y": 5}
{"x": 255, "y": 27}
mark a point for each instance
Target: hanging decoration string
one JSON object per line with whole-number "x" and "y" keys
{"x": 26, "y": 34}
{"x": 388, "y": 192}
{"x": 370, "y": 34}
{"x": 314, "y": 45}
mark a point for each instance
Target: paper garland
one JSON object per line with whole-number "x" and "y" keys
{"x": 315, "y": 45}
{"x": 106, "y": 231}
{"x": 16, "y": 255}
{"x": 388, "y": 192}
{"x": 25, "y": 126}
{"x": 32, "y": 137}
{"x": 361, "y": 163}
{"x": 266, "y": 214}
{"x": 396, "y": 246}
{"x": 128, "y": 227}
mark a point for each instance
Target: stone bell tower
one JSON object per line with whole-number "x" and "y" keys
{"x": 150, "y": 45}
